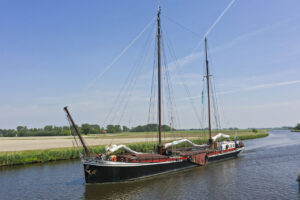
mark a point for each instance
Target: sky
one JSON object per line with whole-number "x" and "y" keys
{"x": 82, "y": 53}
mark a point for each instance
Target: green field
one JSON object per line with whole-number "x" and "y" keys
{"x": 41, "y": 156}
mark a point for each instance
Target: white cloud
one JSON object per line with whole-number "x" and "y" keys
{"x": 196, "y": 55}
{"x": 263, "y": 86}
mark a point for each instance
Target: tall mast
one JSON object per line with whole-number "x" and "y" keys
{"x": 159, "y": 80}
{"x": 208, "y": 94}
{"x": 87, "y": 152}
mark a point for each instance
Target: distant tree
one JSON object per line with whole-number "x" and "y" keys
{"x": 125, "y": 129}
{"x": 48, "y": 128}
{"x": 297, "y": 127}
{"x": 57, "y": 130}
{"x": 22, "y": 131}
{"x": 118, "y": 129}
{"x": 8, "y": 133}
{"x": 137, "y": 129}
{"x": 254, "y": 130}
{"x": 110, "y": 128}
{"x": 113, "y": 128}
{"x": 85, "y": 128}
{"x": 165, "y": 128}
{"x": 94, "y": 129}
{"x": 150, "y": 128}
{"x": 19, "y": 128}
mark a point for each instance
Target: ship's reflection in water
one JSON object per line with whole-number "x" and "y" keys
{"x": 267, "y": 169}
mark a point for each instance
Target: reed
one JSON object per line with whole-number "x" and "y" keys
{"x": 42, "y": 156}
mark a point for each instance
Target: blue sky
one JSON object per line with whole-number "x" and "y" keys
{"x": 51, "y": 51}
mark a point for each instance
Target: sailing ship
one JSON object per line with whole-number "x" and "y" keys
{"x": 110, "y": 167}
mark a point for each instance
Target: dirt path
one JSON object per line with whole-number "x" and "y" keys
{"x": 34, "y": 143}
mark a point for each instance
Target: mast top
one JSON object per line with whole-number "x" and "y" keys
{"x": 158, "y": 11}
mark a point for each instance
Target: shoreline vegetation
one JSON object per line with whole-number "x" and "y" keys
{"x": 296, "y": 128}
{"x": 84, "y": 129}
{"x": 50, "y": 155}
{"x": 92, "y": 129}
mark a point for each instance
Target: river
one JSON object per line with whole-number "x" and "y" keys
{"x": 267, "y": 169}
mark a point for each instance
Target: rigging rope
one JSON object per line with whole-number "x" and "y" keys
{"x": 183, "y": 82}
{"x": 214, "y": 24}
{"x": 141, "y": 68}
{"x": 72, "y": 133}
{"x": 183, "y": 27}
{"x": 120, "y": 55}
{"x": 126, "y": 88}
{"x": 152, "y": 102}
{"x": 214, "y": 96}
{"x": 215, "y": 106}
{"x": 172, "y": 106}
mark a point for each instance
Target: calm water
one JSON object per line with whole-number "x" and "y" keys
{"x": 267, "y": 169}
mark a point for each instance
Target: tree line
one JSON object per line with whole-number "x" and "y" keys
{"x": 49, "y": 130}
{"x": 296, "y": 128}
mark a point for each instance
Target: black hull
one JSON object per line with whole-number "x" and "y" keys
{"x": 102, "y": 174}
{"x": 223, "y": 156}
{"x": 116, "y": 173}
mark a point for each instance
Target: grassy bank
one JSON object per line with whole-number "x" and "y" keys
{"x": 41, "y": 156}
{"x": 295, "y": 130}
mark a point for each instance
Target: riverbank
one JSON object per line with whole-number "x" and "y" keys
{"x": 56, "y": 154}
{"x": 295, "y": 130}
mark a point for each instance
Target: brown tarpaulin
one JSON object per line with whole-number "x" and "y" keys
{"x": 199, "y": 159}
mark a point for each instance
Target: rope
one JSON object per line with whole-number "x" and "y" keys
{"x": 71, "y": 132}
{"x": 182, "y": 26}
{"x": 153, "y": 90}
{"x": 173, "y": 113}
{"x": 120, "y": 55}
{"x": 214, "y": 24}
{"x": 183, "y": 82}
{"x": 125, "y": 89}
{"x": 143, "y": 67}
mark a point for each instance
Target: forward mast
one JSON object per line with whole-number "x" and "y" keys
{"x": 159, "y": 81}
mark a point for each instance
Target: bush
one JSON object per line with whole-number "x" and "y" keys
{"x": 254, "y": 130}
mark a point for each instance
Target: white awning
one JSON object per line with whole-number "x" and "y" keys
{"x": 219, "y": 135}
{"x": 181, "y": 141}
{"x": 112, "y": 148}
